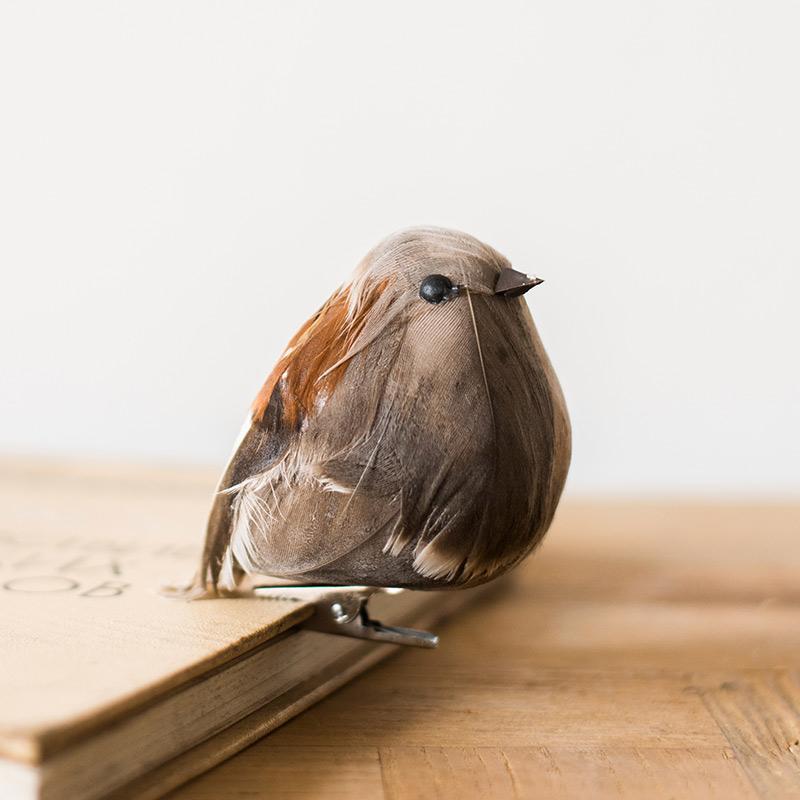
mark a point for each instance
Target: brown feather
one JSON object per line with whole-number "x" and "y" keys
{"x": 398, "y": 442}
{"x": 311, "y": 366}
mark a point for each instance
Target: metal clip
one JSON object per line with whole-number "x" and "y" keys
{"x": 342, "y": 610}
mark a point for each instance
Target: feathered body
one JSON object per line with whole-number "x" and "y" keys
{"x": 398, "y": 442}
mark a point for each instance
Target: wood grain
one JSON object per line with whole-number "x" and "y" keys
{"x": 760, "y": 715}
{"x": 651, "y": 649}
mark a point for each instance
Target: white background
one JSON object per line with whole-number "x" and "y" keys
{"x": 182, "y": 184}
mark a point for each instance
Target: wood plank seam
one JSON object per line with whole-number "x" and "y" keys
{"x": 758, "y": 715}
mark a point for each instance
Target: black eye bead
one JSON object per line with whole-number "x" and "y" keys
{"x": 437, "y": 288}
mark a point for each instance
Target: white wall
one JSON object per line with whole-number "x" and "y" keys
{"x": 181, "y": 184}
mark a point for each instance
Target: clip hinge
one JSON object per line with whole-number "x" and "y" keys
{"x": 342, "y": 610}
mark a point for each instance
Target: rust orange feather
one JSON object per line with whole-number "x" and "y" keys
{"x": 312, "y": 364}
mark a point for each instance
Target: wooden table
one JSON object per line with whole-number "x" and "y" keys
{"x": 649, "y": 650}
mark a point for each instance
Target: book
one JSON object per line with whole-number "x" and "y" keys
{"x": 110, "y": 689}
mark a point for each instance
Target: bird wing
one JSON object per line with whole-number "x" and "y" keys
{"x": 303, "y": 379}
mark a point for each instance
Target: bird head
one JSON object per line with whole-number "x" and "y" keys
{"x": 438, "y": 265}
{"x": 408, "y": 279}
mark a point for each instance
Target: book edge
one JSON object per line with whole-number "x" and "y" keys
{"x": 35, "y": 745}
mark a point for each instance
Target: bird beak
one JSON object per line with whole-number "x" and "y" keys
{"x": 511, "y": 283}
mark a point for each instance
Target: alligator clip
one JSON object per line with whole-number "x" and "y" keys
{"x": 342, "y": 610}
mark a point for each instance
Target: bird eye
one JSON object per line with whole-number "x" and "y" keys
{"x": 437, "y": 288}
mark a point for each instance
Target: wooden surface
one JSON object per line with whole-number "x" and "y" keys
{"x": 647, "y": 651}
